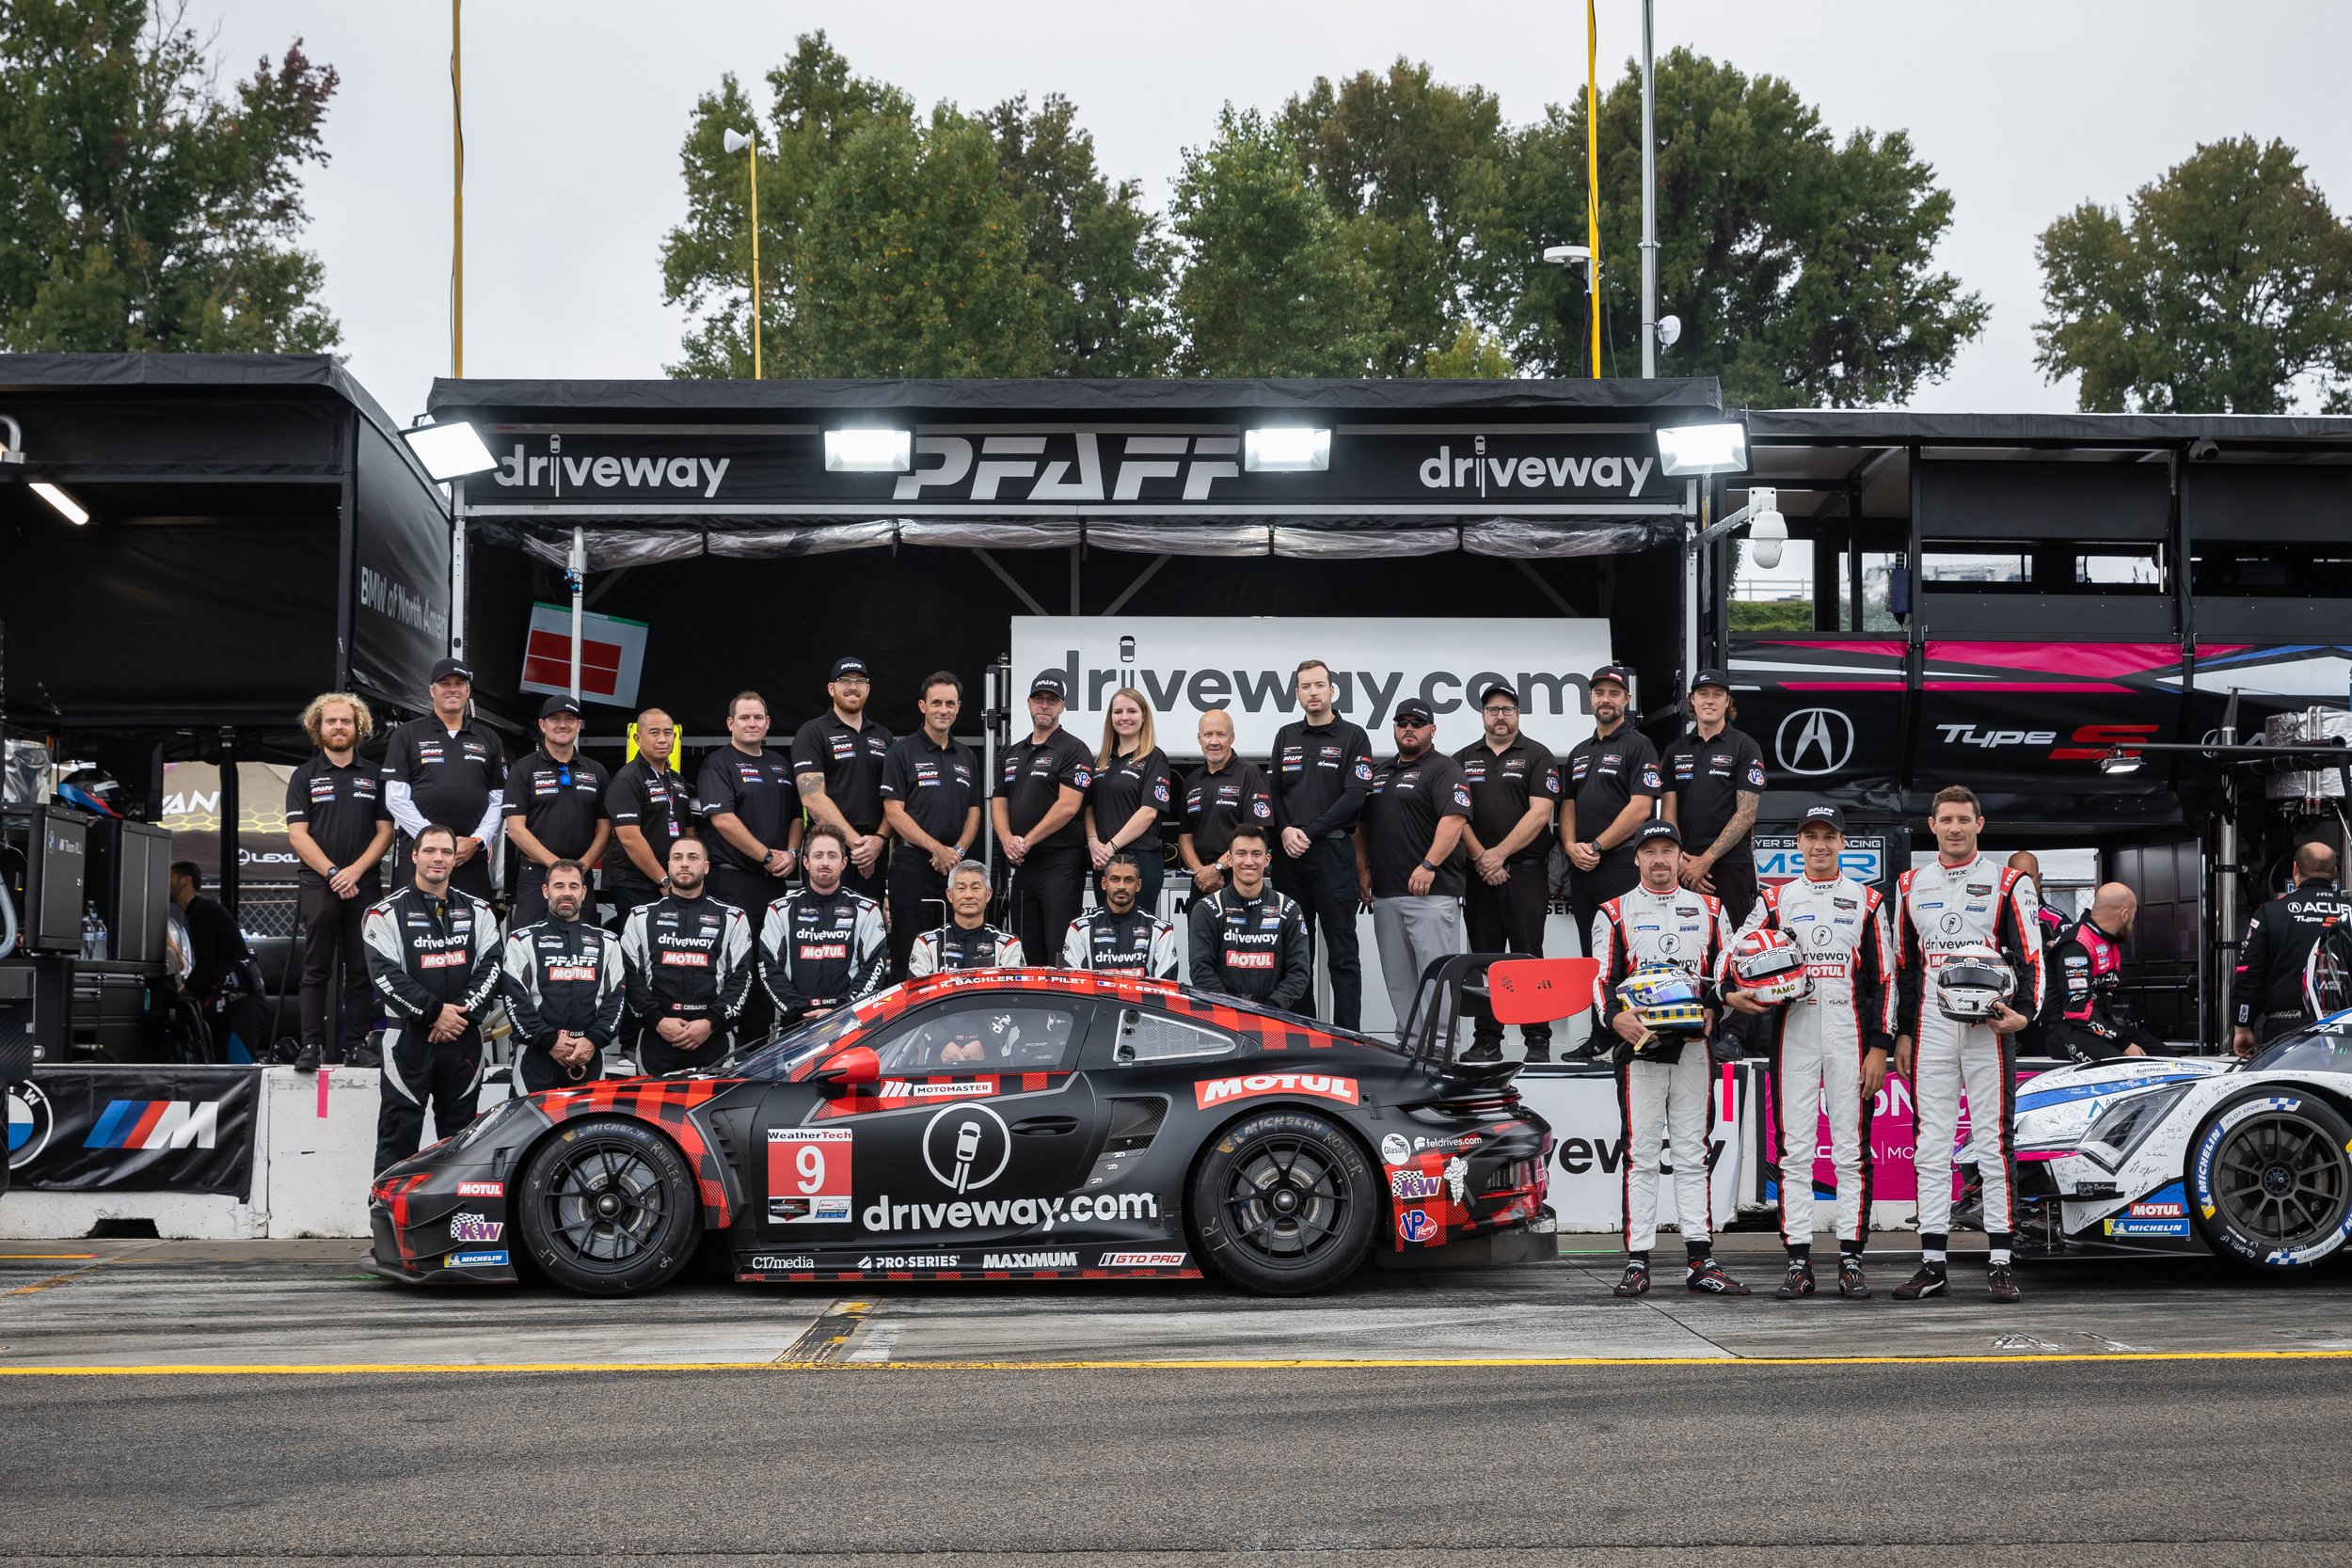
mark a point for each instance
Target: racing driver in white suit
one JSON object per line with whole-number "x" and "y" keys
{"x": 1964, "y": 902}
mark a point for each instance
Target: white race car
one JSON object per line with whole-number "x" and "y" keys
{"x": 2252, "y": 1158}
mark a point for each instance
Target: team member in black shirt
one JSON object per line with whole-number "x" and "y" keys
{"x": 747, "y": 794}
{"x": 837, "y": 765}
{"x": 336, "y": 822}
{"x": 1514, "y": 790}
{"x": 1247, "y": 940}
{"x": 931, "y": 796}
{"x": 649, "y": 805}
{"x": 1321, "y": 771}
{"x": 1221, "y": 795}
{"x": 1036, "y": 817}
{"x": 554, "y": 809}
{"x": 1409, "y": 858}
{"x": 444, "y": 767}
{"x": 1612, "y": 785}
{"x": 1715, "y": 779}
{"x": 1131, "y": 792}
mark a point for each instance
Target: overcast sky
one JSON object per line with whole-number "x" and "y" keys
{"x": 574, "y": 114}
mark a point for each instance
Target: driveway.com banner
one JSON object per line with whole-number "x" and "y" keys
{"x": 181, "y": 1130}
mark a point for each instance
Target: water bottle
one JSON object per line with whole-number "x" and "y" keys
{"x": 93, "y": 936}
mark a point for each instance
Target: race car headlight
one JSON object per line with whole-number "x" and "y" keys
{"x": 2123, "y": 1125}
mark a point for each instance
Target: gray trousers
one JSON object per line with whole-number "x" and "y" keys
{"x": 1410, "y": 933}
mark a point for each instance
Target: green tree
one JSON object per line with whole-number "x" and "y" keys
{"x": 141, "y": 210}
{"x": 2228, "y": 281}
{"x": 1801, "y": 268}
{"x": 1275, "y": 282}
{"x": 1472, "y": 355}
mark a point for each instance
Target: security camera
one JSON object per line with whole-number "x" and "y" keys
{"x": 1768, "y": 530}
{"x": 1669, "y": 331}
{"x": 2203, "y": 451}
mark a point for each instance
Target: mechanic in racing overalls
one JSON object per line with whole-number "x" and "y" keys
{"x": 432, "y": 955}
{"x": 2086, "y": 964}
{"x": 1828, "y": 1046}
{"x": 1963, "y": 901}
{"x": 2267, "y": 998}
{"x": 822, "y": 946}
{"x": 1247, "y": 940}
{"x": 1122, "y": 937}
{"x": 688, "y": 958}
{"x": 564, "y": 987}
{"x": 1665, "y": 1089}
{"x": 967, "y": 941}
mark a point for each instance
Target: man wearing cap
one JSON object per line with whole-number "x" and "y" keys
{"x": 445, "y": 767}
{"x": 1514, "y": 790}
{"x": 555, "y": 800}
{"x": 1320, "y": 771}
{"x": 1409, "y": 856}
{"x": 1610, "y": 787}
{"x": 1036, "y": 817}
{"x": 838, "y": 764}
{"x": 1714, "y": 778}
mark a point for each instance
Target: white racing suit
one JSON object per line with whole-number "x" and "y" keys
{"x": 1665, "y": 1093}
{"x": 1940, "y": 909}
{"x": 1818, "y": 1042}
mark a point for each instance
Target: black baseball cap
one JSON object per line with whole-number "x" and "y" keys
{"x": 1710, "y": 677}
{"x": 1499, "y": 688}
{"x": 849, "y": 664}
{"x": 1657, "y": 827}
{"x": 451, "y": 666}
{"x": 1824, "y": 813}
{"x": 1617, "y": 673}
{"x": 1412, "y": 710}
{"x": 560, "y": 703}
{"x": 1049, "y": 686}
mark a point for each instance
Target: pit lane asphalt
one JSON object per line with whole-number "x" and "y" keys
{"x": 931, "y": 1421}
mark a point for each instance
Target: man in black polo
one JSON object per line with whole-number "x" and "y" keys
{"x": 837, "y": 765}
{"x": 1714, "y": 778}
{"x": 1409, "y": 855}
{"x": 446, "y": 768}
{"x": 1321, "y": 771}
{"x": 931, "y": 796}
{"x": 649, "y": 806}
{"x": 1514, "y": 790}
{"x": 335, "y": 823}
{"x": 1221, "y": 795}
{"x": 1035, "y": 817}
{"x": 554, "y": 809}
{"x": 1611, "y": 786}
{"x": 747, "y": 794}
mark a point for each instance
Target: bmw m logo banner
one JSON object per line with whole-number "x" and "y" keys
{"x": 184, "y": 1129}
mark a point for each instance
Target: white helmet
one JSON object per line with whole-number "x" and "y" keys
{"x": 1769, "y": 966}
{"x": 1973, "y": 985}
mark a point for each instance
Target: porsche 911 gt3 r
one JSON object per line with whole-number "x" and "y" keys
{"x": 1003, "y": 1124}
{"x": 2252, "y": 1158}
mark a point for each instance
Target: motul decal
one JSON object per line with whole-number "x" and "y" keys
{"x": 1216, "y": 1091}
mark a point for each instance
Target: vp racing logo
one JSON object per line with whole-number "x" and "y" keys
{"x": 966, "y": 1147}
{"x": 31, "y": 1119}
{"x": 1813, "y": 741}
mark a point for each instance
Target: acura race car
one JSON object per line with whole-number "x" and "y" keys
{"x": 2252, "y": 1158}
{"x": 999, "y": 1124}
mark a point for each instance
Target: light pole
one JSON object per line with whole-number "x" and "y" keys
{"x": 737, "y": 141}
{"x": 1649, "y": 205}
{"x": 457, "y": 194}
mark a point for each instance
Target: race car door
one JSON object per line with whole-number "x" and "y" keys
{"x": 980, "y": 1130}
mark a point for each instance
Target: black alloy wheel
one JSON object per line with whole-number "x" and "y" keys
{"x": 1283, "y": 1203}
{"x": 608, "y": 1207}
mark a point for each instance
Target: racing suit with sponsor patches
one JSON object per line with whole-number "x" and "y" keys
{"x": 2086, "y": 964}
{"x": 1138, "y": 942}
{"x": 1818, "y": 1042}
{"x": 1254, "y": 948}
{"x": 1939, "y": 910}
{"x": 562, "y": 976}
{"x": 1662, "y": 1093}
{"x": 691, "y": 959}
{"x": 424, "y": 955}
{"x": 821, "y": 950}
{"x": 950, "y": 949}
{"x": 2268, "y": 994}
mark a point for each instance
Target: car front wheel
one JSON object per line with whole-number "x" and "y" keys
{"x": 2269, "y": 1180}
{"x": 608, "y": 1208}
{"x": 1283, "y": 1203}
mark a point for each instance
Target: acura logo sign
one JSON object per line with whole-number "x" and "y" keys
{"x": 1814, "y": 741}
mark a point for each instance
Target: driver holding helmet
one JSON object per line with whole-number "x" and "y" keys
{"x": 1954, "y": 1039}
{"x": 1660, "y": 1023}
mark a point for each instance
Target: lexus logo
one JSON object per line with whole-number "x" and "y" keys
{"x": 1814, "y": 741}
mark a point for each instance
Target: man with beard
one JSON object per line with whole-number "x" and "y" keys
{"x": 1514, "y": 790}
{"x": 565, "y": 987}
{"x": 837, "y": 765}
{"x": 1122, "y": 937}
{"x": 822, "y": 946}
{"x": 335, "y": 823}
{"x": 1321, "y": 773}
{"x": 1408, "y": 861}
{"x": 689, "y": 963}
{"x": 433, "y": 954}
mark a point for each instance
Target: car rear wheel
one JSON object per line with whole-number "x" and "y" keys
{"x": 2270, "y": 1179}
{"x": 608, "y": 1207}
{"x": 1283, "y": 1204}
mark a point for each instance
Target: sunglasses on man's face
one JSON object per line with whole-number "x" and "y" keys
{"x": 1416, "y": 723}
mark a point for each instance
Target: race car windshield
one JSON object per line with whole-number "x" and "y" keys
{"x": 774, "y": 1058}
{"x": 2323, "y": 1047}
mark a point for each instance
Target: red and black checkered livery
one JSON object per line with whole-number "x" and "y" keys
{"x": 1002, "y": 1124}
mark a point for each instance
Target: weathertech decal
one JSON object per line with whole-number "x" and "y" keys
{"x": 1216, "y": 1091}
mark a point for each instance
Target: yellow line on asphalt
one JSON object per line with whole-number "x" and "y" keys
{"x": 1237, "y": 1364}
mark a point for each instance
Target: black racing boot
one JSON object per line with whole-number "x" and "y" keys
{"x": 1706, "y": 1278}
{"x": 1930, "y": 1281}
{"x": 1998, "y": 1285}
{"x": 1798, "y": 1281}
{"x": 306, "y": 1060}
{"x": 1636, "y": 1280}
{"x": 1852, "y": 1284}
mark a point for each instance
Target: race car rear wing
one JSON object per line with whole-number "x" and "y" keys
{"x": 1515, "y": 989}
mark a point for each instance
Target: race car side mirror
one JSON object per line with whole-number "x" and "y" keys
{"x": 855, "y": 1068}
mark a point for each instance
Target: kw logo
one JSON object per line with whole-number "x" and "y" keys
{"x": 156, "y": 1124}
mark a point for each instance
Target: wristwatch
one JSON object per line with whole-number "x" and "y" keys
{"x": 1426, "y": 866}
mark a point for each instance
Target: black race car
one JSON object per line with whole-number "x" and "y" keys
{"x": 1002, "y": 1124}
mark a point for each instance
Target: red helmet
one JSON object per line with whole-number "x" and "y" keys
{"x": 1769, "y": 966}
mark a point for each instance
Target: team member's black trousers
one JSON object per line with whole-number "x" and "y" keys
{"x": 1615, "y": 876}
{"x": 447, "y": 1076}
{"x": 1734, "y": 884}
{"x": 656, "y": 1055}
{"x": 918, "y": 903}
{"x": 876, "y": 886}
{"x": 1507, "y": 919}
{"x": 530, "y": 904}
{"x": 752, "y": 892}
{"x": 1045, "y": 894}
{"x": 331, "y": 929}
{"x": 538, "y": 1070}
{"x": 1323, "y": 881}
